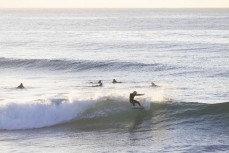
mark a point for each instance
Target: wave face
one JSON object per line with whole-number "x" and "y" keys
{"x": 40, "y": 114}
{"x": 104, "y": 112}
{"x": 78, "y": 65}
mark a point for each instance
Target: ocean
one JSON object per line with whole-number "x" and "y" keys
{"x": 60, "y": 55}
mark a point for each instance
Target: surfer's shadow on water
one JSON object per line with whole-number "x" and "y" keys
{"x": 140, "y": 117}
{"x": 139, "y": 121}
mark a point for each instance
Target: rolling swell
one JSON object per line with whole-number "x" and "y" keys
{"x": 78, "y": 65}
{"x": 184, "y": 113}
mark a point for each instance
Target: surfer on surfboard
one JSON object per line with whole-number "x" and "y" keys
{"x": 21, "y": 86}
{"x": 154, "y": 85}
{"x": 99, "y": 85}
{"x": 132, "y": 101}
{"x": 114, "y": 81}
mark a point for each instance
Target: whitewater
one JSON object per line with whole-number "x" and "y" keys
{"x": 60, "y": 54}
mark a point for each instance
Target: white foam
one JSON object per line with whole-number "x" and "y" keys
{"x": 40, "y": 114}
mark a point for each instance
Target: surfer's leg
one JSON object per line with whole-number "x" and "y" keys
{"x": 135, "y": 101}
{"x": 132, "y": 102}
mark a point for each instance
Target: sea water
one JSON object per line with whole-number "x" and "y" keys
{"x": 60, "y": 54}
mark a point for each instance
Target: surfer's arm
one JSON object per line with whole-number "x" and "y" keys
{"x": 139, "y": 94}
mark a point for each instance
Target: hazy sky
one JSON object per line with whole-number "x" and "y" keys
{"x": 114, "y": 3}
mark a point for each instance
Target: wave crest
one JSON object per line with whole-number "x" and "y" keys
{"x": 78, "y": 65}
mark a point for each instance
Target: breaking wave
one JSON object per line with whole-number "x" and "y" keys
{"x": 105, "y": 111}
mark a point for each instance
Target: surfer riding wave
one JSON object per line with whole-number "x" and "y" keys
{"x": 132, "y": 100}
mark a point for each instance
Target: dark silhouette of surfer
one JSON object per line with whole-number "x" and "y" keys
{"x": 154, "y": 85}
{"x": 132, "y": 95}
{"x": 20, "y": 86}
{"x": 99, "y": 85}
{"x": 114, "y": 81}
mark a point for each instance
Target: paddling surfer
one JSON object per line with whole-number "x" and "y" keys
{"x": 99, "y": 85}
{"x": 20, "y": 86}
{"x": 114, "y": 81}
{"x": 132, "y": 100}
{"x": 154, "y": 85}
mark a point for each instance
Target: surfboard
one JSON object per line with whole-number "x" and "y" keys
{"x": 137, "y": 107}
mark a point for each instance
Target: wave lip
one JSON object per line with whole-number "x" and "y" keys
{"x": 79, "y": 65}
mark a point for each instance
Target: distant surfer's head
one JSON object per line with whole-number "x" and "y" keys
{"x": 135, "y": 92}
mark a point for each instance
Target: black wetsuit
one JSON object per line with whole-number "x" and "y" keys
{"x": 20, "y": 86}
{"x": 132, "y": 101}
{"x": 114, "y": 81}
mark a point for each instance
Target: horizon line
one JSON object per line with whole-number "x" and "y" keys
{"x": 118, "y": 8}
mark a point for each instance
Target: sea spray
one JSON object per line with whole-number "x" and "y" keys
{"x": 40, "y": 114}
